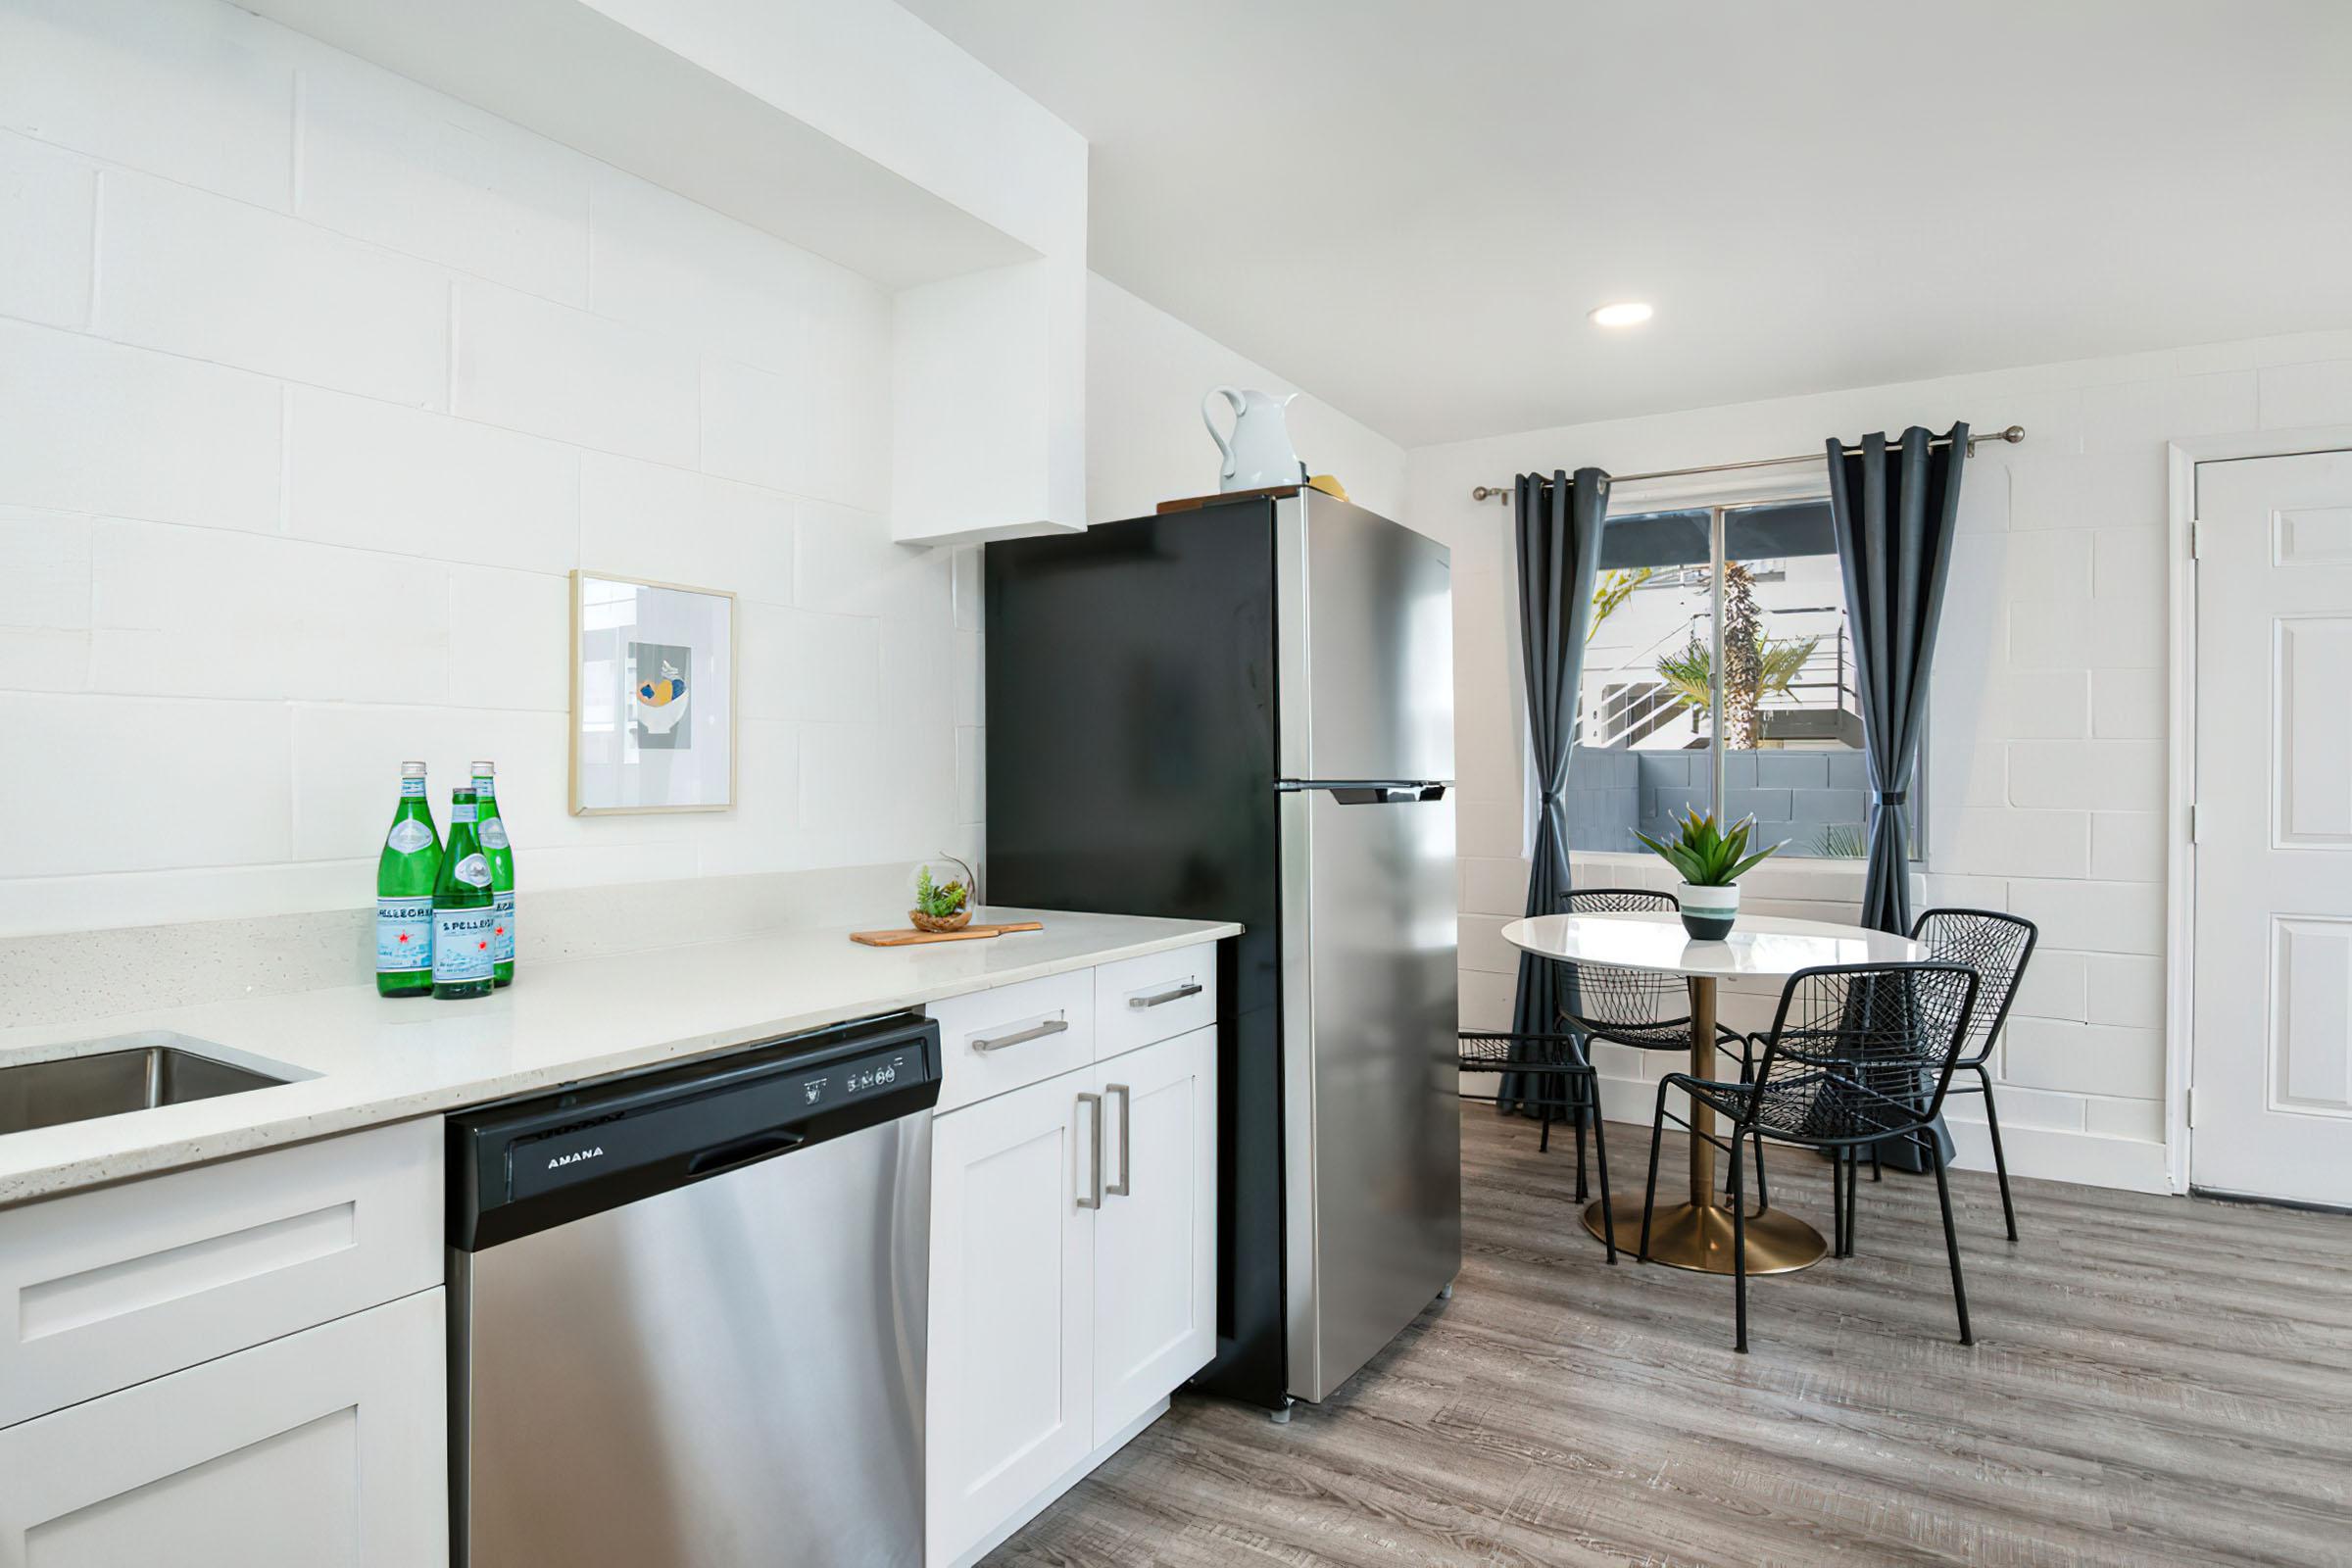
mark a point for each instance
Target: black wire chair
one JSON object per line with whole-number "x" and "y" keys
{"x": 1856, "y": 1053}
{"x": 1634, "y": 1007}
{"x": 1641, "y": 1009}
{"x": 1997, "y": 946}
{"x": 1559, "y": 1079}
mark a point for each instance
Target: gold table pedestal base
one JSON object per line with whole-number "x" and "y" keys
{"x": 1689, "y": 1236}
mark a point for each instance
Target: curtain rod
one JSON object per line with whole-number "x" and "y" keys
{"x": 2014, "y": 434}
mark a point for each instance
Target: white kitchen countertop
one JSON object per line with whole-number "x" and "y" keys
{"x": 380, "y": 1061}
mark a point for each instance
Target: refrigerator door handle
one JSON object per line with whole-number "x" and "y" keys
{"x": 1388, "y": 794}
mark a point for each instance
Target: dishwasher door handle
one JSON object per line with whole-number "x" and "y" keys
{"x": 745, "y": 1152}
{"x": 1096, "y": 1160}
{"x": 1021, "y": 1037}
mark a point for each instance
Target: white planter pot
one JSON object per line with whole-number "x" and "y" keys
{"x": 1709, "y": 912}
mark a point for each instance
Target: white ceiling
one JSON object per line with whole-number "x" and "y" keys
{"x": 1407, "y": 207}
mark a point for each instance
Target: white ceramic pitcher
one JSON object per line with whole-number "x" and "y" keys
{"x": 1259, "y": 453}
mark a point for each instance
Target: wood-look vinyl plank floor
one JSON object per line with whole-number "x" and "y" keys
{"x": 2156, "y": 1380}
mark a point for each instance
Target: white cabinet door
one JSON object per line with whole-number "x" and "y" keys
{"x": 1013, "y": 1298}
{"x": 322, "y": 1449}
{"x": 1156, "y": 1245}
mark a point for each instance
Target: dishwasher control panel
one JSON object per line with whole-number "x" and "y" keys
{"x": 521, "y": 1167}
{"x": 877, "y": 1074}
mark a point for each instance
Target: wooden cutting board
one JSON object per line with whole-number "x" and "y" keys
{"x": 1196, "y": 503}
{"x": 908, "y": 936}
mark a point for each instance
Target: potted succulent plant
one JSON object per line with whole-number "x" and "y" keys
{"x": 1711, "y": 862}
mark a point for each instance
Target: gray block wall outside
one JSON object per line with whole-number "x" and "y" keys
{"x": 1793, "y": 795}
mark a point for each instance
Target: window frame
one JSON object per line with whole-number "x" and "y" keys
{"x": 1717, "y": 496}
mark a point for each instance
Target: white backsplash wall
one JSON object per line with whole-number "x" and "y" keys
{"x": 2047, "y": 756}
{"x": 314, "y": 384}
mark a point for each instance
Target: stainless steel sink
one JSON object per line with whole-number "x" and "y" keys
{"x": 110, "y": 1083}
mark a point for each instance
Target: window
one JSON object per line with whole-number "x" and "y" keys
{"x": 1776, "y": 733}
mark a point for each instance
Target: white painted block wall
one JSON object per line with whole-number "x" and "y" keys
{"x": 314, "y": 386}
{"x": 2046, "y": 743}
{"x": 315, "y": 383}
{"x": 1146, "y": 374}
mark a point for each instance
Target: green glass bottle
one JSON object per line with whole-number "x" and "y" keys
{"x": 405, "y": 875}
{"x": 491, "y": 829}
{"x": 464, "y": 910}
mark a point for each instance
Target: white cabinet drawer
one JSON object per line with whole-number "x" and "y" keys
{"x": 105, "y": 1289}
{"x": 993, "y": 1041}
{"x": 325, "y": 1446}
{"x": 1156, "y": 997}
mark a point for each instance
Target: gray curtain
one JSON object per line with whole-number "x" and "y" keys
{"x": 1558, "y": 523}
{"x": 1896, "y": 510}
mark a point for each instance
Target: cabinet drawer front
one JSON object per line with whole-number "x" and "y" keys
{"x": 325, "y": 1446}
{"x": 105, "y": 1289}
{"x": 1156, "y": 997}
{"x": 993, "y": 1041}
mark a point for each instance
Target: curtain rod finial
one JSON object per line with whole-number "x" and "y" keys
{"x": 2012, "y": 435}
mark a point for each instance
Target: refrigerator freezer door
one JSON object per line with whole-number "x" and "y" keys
{"x": 1364, "y": 631}
{"x": 1372, "y": 1133}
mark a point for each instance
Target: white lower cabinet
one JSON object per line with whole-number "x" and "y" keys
{"x": 1156, "y": 1244}
{"x": 1010, "y": 1372}
{"x": 1073, "y": 1278}
{"x": 327, "y": 1446}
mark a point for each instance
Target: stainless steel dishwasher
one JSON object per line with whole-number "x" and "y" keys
{"x": 688, "y": 1312}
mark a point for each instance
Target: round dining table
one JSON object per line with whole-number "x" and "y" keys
{"x": 1697, "y": 1234}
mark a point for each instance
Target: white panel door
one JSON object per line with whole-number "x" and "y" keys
{"x": 322, "y": 1449}
{"x": 1011, "y": 1403}
{"x": 2272, "y": 1051}
{"x": 1156, "y": 1241}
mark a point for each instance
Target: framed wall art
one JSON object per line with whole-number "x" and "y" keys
{"x": 652, "y": 696}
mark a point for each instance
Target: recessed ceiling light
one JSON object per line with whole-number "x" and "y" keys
{"x": 1626, "y": 313}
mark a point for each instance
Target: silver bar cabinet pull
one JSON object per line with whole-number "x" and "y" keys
{"x": 1051, "y": 1026}
{"x": 1191, "y": 988}
{"x": 1120, "y": 1189}
{"x": 1095, "y": 1101}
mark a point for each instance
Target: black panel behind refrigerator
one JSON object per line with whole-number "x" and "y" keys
{"x": 1131, "y": 768}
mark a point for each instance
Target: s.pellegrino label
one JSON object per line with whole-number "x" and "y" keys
{"x": 403, "y": 935}
{"x": 461, "y": 945}
{"x": 407, "y": 870}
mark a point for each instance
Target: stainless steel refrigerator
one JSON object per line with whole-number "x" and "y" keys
{"x": 1246, "y": 712}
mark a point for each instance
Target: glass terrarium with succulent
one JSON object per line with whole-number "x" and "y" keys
{"x": 943, "y": 899}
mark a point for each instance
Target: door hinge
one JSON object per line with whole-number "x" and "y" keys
{"x": 2196, "y": 824}
{"x": 2197, "y": 539}
{"x": 2192, "y": 1104}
